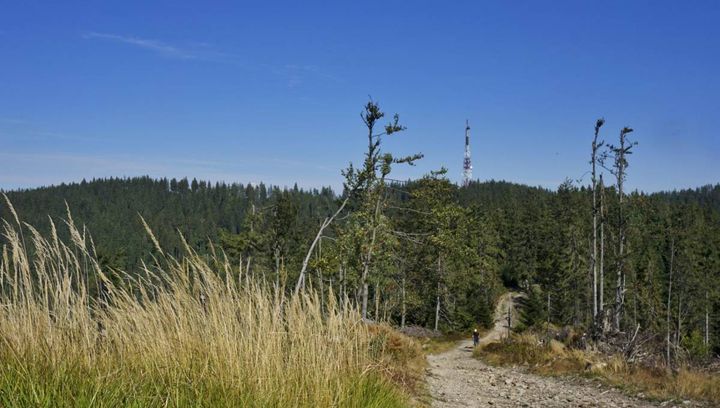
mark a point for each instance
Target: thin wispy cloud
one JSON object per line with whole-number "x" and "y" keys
{"x": 293, "y": 74}
{"x": 193, "y": 50}
{"x": 148, "y": 44}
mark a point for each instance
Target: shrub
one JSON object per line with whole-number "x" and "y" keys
{"x": 696, "y": 348}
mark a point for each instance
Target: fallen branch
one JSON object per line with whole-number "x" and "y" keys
{"x": 629, "y": 348}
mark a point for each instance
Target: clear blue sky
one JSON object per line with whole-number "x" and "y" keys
{"x": 269, "y": 91}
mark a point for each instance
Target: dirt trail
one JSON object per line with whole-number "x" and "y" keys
{"x": 456, "y": 379}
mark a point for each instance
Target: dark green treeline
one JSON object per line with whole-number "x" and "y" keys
{"x": 445, "y": 254}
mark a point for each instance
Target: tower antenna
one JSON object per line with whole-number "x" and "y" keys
{"x": 467, "y": 164}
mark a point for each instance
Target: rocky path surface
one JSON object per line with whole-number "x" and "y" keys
{"x": 456, "y": 379}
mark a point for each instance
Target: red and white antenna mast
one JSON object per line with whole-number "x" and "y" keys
{"x": 467, "y": 164}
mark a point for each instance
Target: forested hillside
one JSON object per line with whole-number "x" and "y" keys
{"x": 199, "y": 210}
{"x": 489, "y": 233}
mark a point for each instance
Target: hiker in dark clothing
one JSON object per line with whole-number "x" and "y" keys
{"x": 476, "y": 338}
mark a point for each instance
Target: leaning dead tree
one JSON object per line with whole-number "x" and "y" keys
{"x": 326, "y": 223}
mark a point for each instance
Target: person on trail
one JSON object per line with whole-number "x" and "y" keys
{"x": 476, "y": 338}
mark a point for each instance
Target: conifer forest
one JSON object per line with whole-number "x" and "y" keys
{"x": 427, "y": 252}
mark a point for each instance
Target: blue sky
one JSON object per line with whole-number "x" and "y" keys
{"x": 271, "y": 91}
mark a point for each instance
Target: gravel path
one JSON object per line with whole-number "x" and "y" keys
{"x": 456, "y": 379}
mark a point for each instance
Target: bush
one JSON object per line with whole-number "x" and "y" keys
{"x": 695, "y": 346}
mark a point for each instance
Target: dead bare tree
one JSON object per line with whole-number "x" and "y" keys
{"x": 707, "y": 318}
{"x": 403, "y": 306}
{"x": 596, "y": 146}
{"x": 669, "y": 298}
{"x": 437, "y": 294}
{"x": 619, "y": 170}
{"x": 326, "y": 222}
{"x": 601, "y": 302}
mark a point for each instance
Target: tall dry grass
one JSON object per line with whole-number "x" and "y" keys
{"x": 186, "y": 332}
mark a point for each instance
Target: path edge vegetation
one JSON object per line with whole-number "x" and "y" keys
{"x": 541, "y": 353}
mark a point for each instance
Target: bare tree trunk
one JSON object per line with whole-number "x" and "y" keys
{"x": 593, "y": 261}
{"x": 320, "y": 278}
{"x": 283, "y": 276}
{"x": 707, "y": 319}
{"x": 240, "y": 271}
{"x": 590, "y": 284}
{"x": 548, "y": 309}
{"x": 385, "y": 310}
{"x": 437, "y": 296}
{"x": 301, "y": 279}
{"x": 619, "y": 289}
{"x": 248, "y": 273}
{"x": 322, "y": 290}
{"x": 509, "y": 319}
{"x": 672, "y": 258}
{"x": 620, "y": 284}
{"x": 437, "y": 307}
{"x": 620, "y": 165}
{"x": 364, "y": 299}
{"x": 277, "y": 268}
{"x": 368, "y": 258}
{"x": 345, "y": 284}
{"x": 634, "y": 299}
{"x": 341, "y": 292}
{"x": 601, "y": 303}
{"x": 402, "y": 307}
{"x": 679, "y": 322}
{"x": 377, "y": 302}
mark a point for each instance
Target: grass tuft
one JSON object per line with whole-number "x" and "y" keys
{"x": 187, "y": 332}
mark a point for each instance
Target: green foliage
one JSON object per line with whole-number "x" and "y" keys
{"x": 533, "y": 308}
{"x": 695, "y": 346}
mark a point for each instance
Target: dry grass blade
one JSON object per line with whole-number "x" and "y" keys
{"x": 185, "y": 334}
